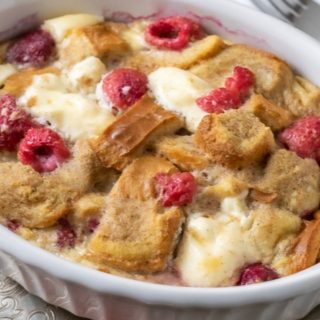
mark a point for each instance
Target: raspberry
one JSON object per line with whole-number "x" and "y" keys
{"x": 33, "y": 48}
{"x": 92, "y": 225}
{"x": 256, "y": 273}
{"x": 177, "y": 189}
{"x": 303, "y": 137}
{"x": 123, "y": 87}
{"x": 14, "y": 123}
{"x": 232, "y": 95}
{"x": 219, "y": 100}
{"x": 12, "y": 225}
{"x": 241, "y": 81}
{"x": 173, "y": 33}
{"x": 66, "y": 236}
{"x": 43, "y": 149}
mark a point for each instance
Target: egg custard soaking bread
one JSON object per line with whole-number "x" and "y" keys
{"x": 155, "y": 151}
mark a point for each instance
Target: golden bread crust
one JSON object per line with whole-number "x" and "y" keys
{"x": 270, "y": 114}
{"x": 234, "y": 139}
{"x": 126, "y": 138}
{"x": 95, "y": 40}
{"x": 305, "y": 248}
{"x": 38, "y": 201}
{"x": 149, "y": 60}
{"x": 273, "y": 76}
{"x": 181, "y": 151}
{"x": 146, "y": 236}
{"x": 294, "y": 181}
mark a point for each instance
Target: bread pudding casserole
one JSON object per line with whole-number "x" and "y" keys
{"x": 155, "y": 151}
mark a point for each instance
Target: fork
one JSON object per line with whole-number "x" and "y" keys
{"x": 288, "y": 10}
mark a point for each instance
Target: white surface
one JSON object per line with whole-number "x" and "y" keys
{"x": 101, "y": 296}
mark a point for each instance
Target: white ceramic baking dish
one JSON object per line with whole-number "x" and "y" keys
{"x": 101, "y": 296}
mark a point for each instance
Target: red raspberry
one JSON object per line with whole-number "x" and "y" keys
{"x": 33, "y": 48}
{"x": 256, "y": 273}
{"x": 123, "y": 87}
{"x": 173, "y": 33}
{"x": 12, "y": 225}
{"x": 219, "y": 100}
{"x": 303, "y": 137}
{"x": 241, "y": 82}
{"x": 43, "y": 149}
{"x": 14, "y": 123}
{"x": 66, "y": 236}
{"x": 177, "y": 189}
{"x": 92, "y": 225}
{"x": 232, "y": 96}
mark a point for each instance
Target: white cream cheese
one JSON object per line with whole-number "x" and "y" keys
{"x": 214, "y": 248}
{"x": 73, "y": 115}
{"x": 60, "y": 27}
{"x": 177, "y": 90}
{"x": 85, "y": 75}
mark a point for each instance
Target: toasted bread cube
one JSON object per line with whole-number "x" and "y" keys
{"x": 150, "y": 60}
{"x": 39, "y": 201}
{"x": 17, "y": 83}
{"x": 303, "y": 251}
{"x": 96, "y": 40}
{"x": 271, "y": 225}
{"x": 270, "y": 114}
{"x": 272, "y": 75}
{"x": 304, "y": 98}
{"x": 181, "y": 151}
{"x": 146, "y": 237}
{"x": 6, "y": 70}
{"x": 235, "y": 138}
{"x": 128, "y": 136}
{"x": 294, "y": 180}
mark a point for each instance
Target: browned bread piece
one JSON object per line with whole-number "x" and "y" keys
{"x": 91, "y": 204}
{"x": 304, "y": 98}
{"x": 137, "y": 234}
{"x": 304, "y": 250}
{"x": 270, "y": 114}
{"x": 294, "y": 181}
{"x": 17, "y": 83}
{"x": 38, "y": 201}
{"x": 95, "y": 40}
{"x": 235, "y": 138}
{"x": 273, "y": 76}
{"x": 181, "y": 151}
{"x": 270, "y": 226}
{"x": 127, "y": 137}
{"x": 150, "y": 60}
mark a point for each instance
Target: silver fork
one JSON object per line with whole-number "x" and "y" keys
{"x": 288, "y": 10}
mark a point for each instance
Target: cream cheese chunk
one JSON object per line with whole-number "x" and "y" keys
{"x": 177, "y": 90}
{"x": 215, "y": 248}
{"x": 74, "y": 115}
{"x": 6, "y": 70}
{"x": 59, "y": 27}
{"x": 85, "y": 75}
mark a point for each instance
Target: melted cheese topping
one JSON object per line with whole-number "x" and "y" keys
{"x": 74, "y": 115}
{"x": 60, "y": 26}
{"x": 177, "y": 90}
{"x": 85, "y": 75}
{"x": 215, "y": 248}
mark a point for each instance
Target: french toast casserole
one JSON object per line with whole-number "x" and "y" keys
{"x": 155, "y": 151}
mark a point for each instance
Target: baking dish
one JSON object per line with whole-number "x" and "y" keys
{"x": 96, "y": 295}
